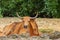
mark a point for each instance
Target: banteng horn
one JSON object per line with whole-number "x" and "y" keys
{"x": 31, "y": 17}
{"x": 19, "y": 16}
{"x": 35, "y": 16}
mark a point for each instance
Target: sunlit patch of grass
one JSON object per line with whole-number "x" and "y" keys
{"x": 46, "y": 30}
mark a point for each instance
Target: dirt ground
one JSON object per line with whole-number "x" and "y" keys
{"x": 41, "y": 22}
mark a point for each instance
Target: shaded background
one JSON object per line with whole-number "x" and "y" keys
{"x": 45, "y": 8}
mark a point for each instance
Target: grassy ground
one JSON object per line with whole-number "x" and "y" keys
{"x": 44, "y": 25}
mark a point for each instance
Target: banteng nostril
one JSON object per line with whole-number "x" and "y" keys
{"x": 25, "y": 26}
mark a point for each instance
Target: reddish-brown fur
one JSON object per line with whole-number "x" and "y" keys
{"x": 18, "y": 27}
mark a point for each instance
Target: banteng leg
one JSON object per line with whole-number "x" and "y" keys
{"x": 8, "y": 29}
{"x": 35, "y": 27}
{"x": 17, "y": 28}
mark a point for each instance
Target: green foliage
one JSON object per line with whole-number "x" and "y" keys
{"x": 58, "y": 9}
{"x": 23, "y": 7}
{"x": 51, "y": 7}
{"x": 27, "y": 7}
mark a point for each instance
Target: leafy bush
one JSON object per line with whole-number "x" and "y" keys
{"x": 23, "y": 7}
{"x": 29, "y": 7}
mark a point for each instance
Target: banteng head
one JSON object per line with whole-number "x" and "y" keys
{"x": 27, "y": 19}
